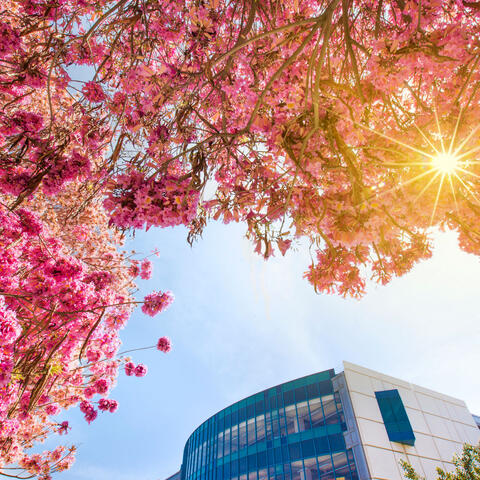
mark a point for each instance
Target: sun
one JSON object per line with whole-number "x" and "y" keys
{"x": 445, "y": 163}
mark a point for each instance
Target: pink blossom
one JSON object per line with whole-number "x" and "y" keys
{"x": 24, "y": 121}
{"x": 134, "y": 269}
{"x": 9, "y": 39}
{"x": 10, "y": 330}
{"x": 63, "y": 269}
{"x": 164, "y": 344}
{"x": 31, "y": 225}
{"x": 129, "y": 368}
{"x": 101, "y": 386}
{"x": 85, "y": 406}
{"x": 113, "y": 406}
{"x": 8, "y": 427}
{"x": 91, "y": 415}
{"x": 65, "y": 169}
{"x": 109, "y": 405}
{"x": 100, "y": 279}
{"x": 160, "y": 133}
{"x": 140, "y": 370}
{"x": 157, "y": 302}
{"x": 63, "y": 428}
{"x": 137, "y": 201}
{"x": 93, "y": 92}
{"x": 81, "y": 232}
{"x": 104, "y": 404}
{"x": 6, "y": 367}
{"x": 93, "y": 355}
{"x": 146, "y": 269}
{"x": 90, "y": 391}
{"x": 52, "y": 409}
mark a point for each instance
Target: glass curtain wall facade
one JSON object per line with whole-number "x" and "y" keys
{"x": 293, "y": 431}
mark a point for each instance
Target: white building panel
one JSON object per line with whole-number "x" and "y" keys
{"x": 382, "y": 463}
{"x": 430, "y": 467}
{"x": 417, "y": 419}
{"x": 441, "y": 425}
{"x": 425, "y": 446}
{"x": 427, "y": 404}
{"x": 446, "y": 448}
{"x": 408, "y": 397}
{"x": 366, "y": 407}
{"x": 437, "y": 425}
{"x": 373, "y": 433}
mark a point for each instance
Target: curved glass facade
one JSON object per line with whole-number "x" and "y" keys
{"x": 293, "y": 431}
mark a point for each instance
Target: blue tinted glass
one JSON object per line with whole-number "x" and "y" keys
{"x": 295, "y": 451}
{"x": 243, "y": 465}
{"x": 300, "y": 394}
{"x": 274, "y": 434}
{"x": 395, "y": 417}
{"x": 313, "y": 390}
{"x": 326, "y": 387}
{"x": 288, "y": 397}
{"x": 262, "y": 459}
{"x": 308, "y": 448}
{"x": 337, "y": 442}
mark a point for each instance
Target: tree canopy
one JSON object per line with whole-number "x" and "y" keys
{"x": 351, "y": 123}
{"x": 467, "y": 466}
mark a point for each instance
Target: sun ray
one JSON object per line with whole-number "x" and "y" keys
{"x": 468, "y": 188}
{"x": 444, "y": 161}
{"x": 468, "y": 152}
{"x": 439, "y": 130}
{"x": 468, "y": 173}
{"x": 388, "y": 137}
{"x": 466, "y": 139}
{"x": 426, "y": 138}
{"x": 436, "y": 199}
{"x": 453, "y": 192}
{"x": 425, "y": 188}
{"x": 408, "y": 164}
{"x": 403, "y": 184}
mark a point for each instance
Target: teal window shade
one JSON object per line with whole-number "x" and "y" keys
{"x": 395, "y": 417}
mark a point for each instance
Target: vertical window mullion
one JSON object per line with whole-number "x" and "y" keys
{"x": 328, "y": 439}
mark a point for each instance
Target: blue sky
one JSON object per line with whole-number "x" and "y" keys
{"x": 239, "y": 325}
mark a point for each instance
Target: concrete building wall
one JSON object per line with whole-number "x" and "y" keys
{"x": 441, "y": 425}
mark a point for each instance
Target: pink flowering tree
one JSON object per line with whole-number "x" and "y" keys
{"x": 352, "y": 123}
{"x": 65, "y": 295}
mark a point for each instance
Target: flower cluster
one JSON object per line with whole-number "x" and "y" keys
{"x": 139, "y": 370}
{"x": 93, "y": 92}
{"x": 9, "y": 39}
{"x": 146, "y": 269}
{"x": 164, "y": 344}
{"x": 157, "y": 302}
{"x": 90, "y": 413}
{"x": 81, "y": 300}
{"x": 159, "y": 128}
{"x": 9, "y": 328}
{"x": 107, "y": 405}
{"x": 136, "y": 201}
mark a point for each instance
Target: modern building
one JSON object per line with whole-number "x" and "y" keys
{"x": 477, "y": 420}
{"x": 354, "y": 425}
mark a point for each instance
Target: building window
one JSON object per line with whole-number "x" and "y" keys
{"x": 395, "y": 417}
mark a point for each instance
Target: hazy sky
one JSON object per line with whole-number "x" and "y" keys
{"x": 240, "y": 325}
